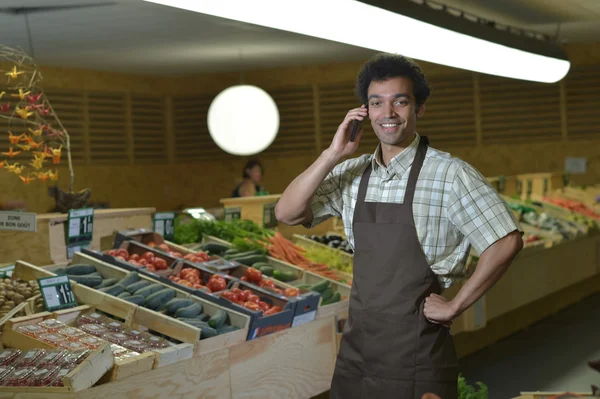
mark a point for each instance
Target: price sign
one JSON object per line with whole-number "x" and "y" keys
{"x": 80, "y": 228}
{"x": 269, "y": 219}
{"x": 6, "y": 271}
{"x": 57, "y": 293}
{"x": 164, "y": 224}
{"x": 233, "y": 214}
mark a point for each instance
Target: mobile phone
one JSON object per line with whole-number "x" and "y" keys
{"x": 354, "y": 130}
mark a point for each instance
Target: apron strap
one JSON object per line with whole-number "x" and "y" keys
{"x": 415, "y": 170}
{"x": 364, "y": 184}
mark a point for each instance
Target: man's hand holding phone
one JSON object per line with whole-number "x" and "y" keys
{"x": 345, "y": 141}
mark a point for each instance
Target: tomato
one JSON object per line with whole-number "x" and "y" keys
{"x": 150, "y": 268}
{"x": 216, "y": 276}
{"x": 253, "y": 298}
{"x": 272, "y": 311}
{"x": 253, "y": 274}
{"x": 149, "y": 256}
{"x": 164, "y": 247}
{"x": 277, "y": 290}
{"x": 123, "y": 252}
{"x": 112, "y": 252}
{"x": 264, "y": 306}
{"x": 291, "y": 292}
{"x": 236, "y": 290}
{"x": 216, "y": 285}
{"x": 151, "y": 244}
{"x": 188, "y": 257}
{"x": 244, "y": 278}
{"x": 120, "y": 258}
{"x": 269, "y": 283}
{"x": 160, "y": 264}
{"x": 132, "y": 262}
{"x": 197, "y": 286}
{"x": 135, "y": 257}
{"x": 252, "y": 306}
{"x": 176, "y": 254}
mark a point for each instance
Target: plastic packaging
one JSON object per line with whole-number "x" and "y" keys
{"x": 91, "y": 342}
{"x": 92, "y": 318}
{"x": 127, "y": 355}
{"x": 113, "y": 325}
{"x": 73, "y": 346}
{"x": 94, "y": 329}
{"x": 31, "y": 357}
{"x": 118, "y": 350}
{"x": 71, "y": 333}
{"x": 43, "y": 376}
{"x": 8, "y": 356}
{"x": 4, "y": 371}
{"x": 136, "y": 345}
{"x": 116, "y": 337}
{"x": 57, "y": 381}
{"x": 52, "y": 338}
{"x": 155, "y": 342}
{"x": 76, "y": 357}
{"x": 135, "y": 334}
{"x": 52, "y": 358}
{"x": 52, "y": 325}
{"x": 19, "y": 377}
{"x": 32, "y": 330}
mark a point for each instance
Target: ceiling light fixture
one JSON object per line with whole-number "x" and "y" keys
{"x": 380, "y": 26}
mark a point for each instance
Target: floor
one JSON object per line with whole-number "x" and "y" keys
{"x": 551, "y": 355}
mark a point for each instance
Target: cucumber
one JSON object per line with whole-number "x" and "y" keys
{"x": 95, "y": 274}
{"x": 203, "y": 317}
{"x": 135, "y": 287}
{"x": 327, "y": 294}
{"x": 224, "y": 329}
{"x": 284, "y": 276}
{"x": 260, "y": 264}
{"x": 108, "y": 282}
{"x": 335, "y": 298}
{"x": 130, "y": 278}
{"x": 175, "y": 304}
{"x": 190, "y": 311}
{"x": 267, "y": 270}
{"x": 113, "y": 290}
{"x": 61, "y": 271}
{"x": 241, "y": 254}
{"x": 206, "y": 331}
{"x": 320, "y": 287}
{"x": 217, "y": 319}
{"x": 250, "y": 259}
{"x": 215, "y": 248}
{"x": 231, "y": 251}
{"x": 154, "y": 301}
{"x": 80, "y": 270}
{"x": 87, "y": 280}
{"x": 149, "y": 290}
{"x": 303, "y": 286}
{"x": 124, "y": 295}
{"x": 136, "y": 299}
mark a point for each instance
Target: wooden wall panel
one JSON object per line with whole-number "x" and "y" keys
{"x": 583, "y": 103}
{"x": 68, "y": 106}
{"x": 148, "y": 122}
{"x": 108, "y": 127}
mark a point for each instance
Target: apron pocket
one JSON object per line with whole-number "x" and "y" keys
{"x": 390, "y": 344}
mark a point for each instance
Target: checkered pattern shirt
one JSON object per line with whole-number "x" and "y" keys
{"x": 454, "y": 207}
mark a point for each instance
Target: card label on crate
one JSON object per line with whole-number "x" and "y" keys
{"x": 80, "y": 228}
{"x": 6, "y": 271}
{"x": 18, "y": 221}
{"x": 164, "y": 224}
{"x": 233, "y": 214}
{"x": 304, "y": 318}
{"x": 57, "y": 293}
{"x": 269, "y": 219}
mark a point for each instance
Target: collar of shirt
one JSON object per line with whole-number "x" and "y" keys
{"x": 399, "y": 164}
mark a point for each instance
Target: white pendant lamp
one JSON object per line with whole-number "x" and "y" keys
{"x": 364, "y": 25}
{"x": 243, "y": 120}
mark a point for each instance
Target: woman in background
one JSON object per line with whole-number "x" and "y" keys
{"x": 252, "y": 175}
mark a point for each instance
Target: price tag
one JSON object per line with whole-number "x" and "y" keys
{"x": 164, "y": 224}
{"x": 80, "y": 228}
{"x": 269, "y": 219}
{"x": 6, "y": 271}
{"x": 57, "y": 293}
{"x": 233, "y": 214}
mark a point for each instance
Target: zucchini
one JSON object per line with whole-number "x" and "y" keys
{"x": 215, "y": 248}
{"x": 149, "y": 290}
{"x": 135, "y": 287}
{"x": 80, "y": 270}
{"x": 87, "y": 280}
{"x": 113, "y": 290}
{"x": 231, "y": 251}
{"x": 206, "y": 331}
{"x": 175, "y": 304}
{"x": 136, "y": 299}
{"x": 217, "y": 319}
{"x": 320, "y": 287}
{"x": 335, "y": 298}
{"x": 203, "y": 317}
{"x": 267, "y": 270}
{"x": 124, "y": 295}
{"x": 249, "y": 259}
{"x": 190, "y": 311}
{"x": 154, "y": 301}
{"x": 284, "y": 276}
{"x": 108, "y": 282}
{"x": 260, "y": 264}
{"x": 327, "y": 294}
{"x": 61, "y": 271}
{"x": 226, "y": 328}
{"x": 130, "y": 278}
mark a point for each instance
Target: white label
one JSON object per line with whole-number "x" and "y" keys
{"x": 81, "y": 212}
{"x": 74, "y": 227}
{"x": 164, "y": 215}
{"x": 304, "y": 318}
{"x": 159, "y": 227}
{"x": 18, "y": 221}
{"x": 71, "y": 250}
{"x": 575, "y": 165}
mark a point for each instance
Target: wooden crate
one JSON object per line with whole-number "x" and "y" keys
{"x": 334, "y": 308}
{"x": 506, "y": 185}
{"x": 85, "y": 375}
{"x": 305, "y": 242}
{"x": 537, "y": 185}
{"x": 556, "y": 395}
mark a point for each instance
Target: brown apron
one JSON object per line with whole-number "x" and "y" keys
{"x": 389, "y": 349}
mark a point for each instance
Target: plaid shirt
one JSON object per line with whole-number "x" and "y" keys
{"x": 455, "y": 208}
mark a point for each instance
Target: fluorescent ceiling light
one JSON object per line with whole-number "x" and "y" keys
{"x": 363, "y": 25}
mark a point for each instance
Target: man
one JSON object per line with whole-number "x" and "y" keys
{"x": 412, "y": 214}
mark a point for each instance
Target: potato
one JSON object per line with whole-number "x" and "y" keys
{"x": 27, "y": 294}
{"x": 10, "y": 304}
{"x": 18, "y": 298}
{"x": 6, "y": 308}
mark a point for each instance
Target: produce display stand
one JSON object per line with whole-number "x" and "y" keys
{"x": 537, "y": 185}
{"x": 556, "y": 395}
{"x": 47, "y": 244}
{"x": 505, "y": 185}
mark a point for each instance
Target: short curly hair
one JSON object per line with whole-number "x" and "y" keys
{"x": 386, "y": 66}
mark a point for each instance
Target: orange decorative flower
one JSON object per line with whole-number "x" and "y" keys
{"x": 27, "y": 179}
{"x": 11, "y": 153}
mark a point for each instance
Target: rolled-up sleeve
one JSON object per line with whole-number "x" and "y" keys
{"x": 477, "y": 210}
{"x": 328, "y": 201}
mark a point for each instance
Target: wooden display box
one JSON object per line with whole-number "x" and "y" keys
{"x": 556, "y": 395}
{"x": 334, "y": 308}
{"x": 505, "y": 185}
{"x": 537, "y": 185}
{"x": 84, "y": 376}
{"x": 47, "y": 245}
{"x": 138, "y": 316}
{"x": 305, "y": 242}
